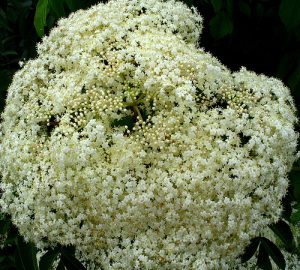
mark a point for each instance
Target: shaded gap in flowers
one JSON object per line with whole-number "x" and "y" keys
{"x": 244, "y": 139}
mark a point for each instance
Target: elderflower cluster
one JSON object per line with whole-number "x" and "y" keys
{"x": 128, "y": 141}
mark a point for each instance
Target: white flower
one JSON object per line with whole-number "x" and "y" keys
{"x": 125, "y": 139}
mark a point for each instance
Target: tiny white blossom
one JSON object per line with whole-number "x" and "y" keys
{"x": 128, "y": 141}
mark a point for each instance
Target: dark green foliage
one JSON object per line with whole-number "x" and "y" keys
{"x": 60, "y": 266}
{"x": 267, "y": 250}
{"x": 69, "y": 260}
{"x": 25, "y": 255}
{"x": 256, "y": 35}
{"x": 250, "y": 250}
{"x": 289, "y": 12}
{"x": 283, "y": 231}
{"x": 41, "y": 16}
{"x": 48, "y": 259}
{"x": 20, "y": 255}
{"x": 56, "y": 9}
{"x": 263, "y": 260}
{"x": 273, "y": 251}
{"x": 221, "y": 24}
{"x": 295, "y": 217}
{"x": 263, "y": 35}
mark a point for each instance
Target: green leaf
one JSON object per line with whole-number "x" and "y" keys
{"x": 25, "y": 256}
{"x": 189, "y": 2}
{"x": 245, "y": 8}
{"x": 74, "y": 5}
{"x": 3, "y": 21}
{"x": 69, "y": 260}
{"x": 60, "y": 266}
{"x": 250, "y": 250}
{"x": 217, "y": 5}
{"x": 295, "y": 217}
{"x": 274, "y": 252}
{"x": 294, "y": 177}
{"x": 289, "y": 11}
{"x": 294, "y": 79}
{"x": 5, "y": 77}
{"x": 229, "y": 7}
{"x": 6, "y": 267}
{"x": 221, "y": 25}
{"x": 11, "y": 237}
{"x": 41, "y": 16}
{"x": 8, "y": 39}
{"x": 263, "y": 260}
{"x": 285, "y": 64}
{"x": 260, "y": 10}
{"x": 4, "y": 226}
{"x": 11, "y": 258}
{"x": 8, "y": 53}
{"x": 48, "y": 259}
{"x": 5, "y": 80}
{"x": 71, "y": 263}
{"x": 283, "y": 231}
{"x": 57, "y": 6}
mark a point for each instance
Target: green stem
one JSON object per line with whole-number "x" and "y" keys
{"x": 136, "y": 109}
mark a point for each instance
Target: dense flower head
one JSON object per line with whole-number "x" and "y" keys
{"x": 128, "y": 141}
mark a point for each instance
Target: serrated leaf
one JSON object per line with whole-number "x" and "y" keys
{"x": 250, "y": 250}
{"x": 289, "y": 11}
{"x": 25, "y": 255}
{"x": 221, "y": 25}
{"x": 283, "y": 231}
{"x": 263, "y": 260}
{"x": 48, "y": 259}
{"x": 41, "y": 16}
{"x": 274, "y": 252}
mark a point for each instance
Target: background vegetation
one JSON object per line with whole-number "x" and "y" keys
{"x": 262, "y": 35}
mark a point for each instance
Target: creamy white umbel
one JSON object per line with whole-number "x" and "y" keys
{"x": 127, "y": 140}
